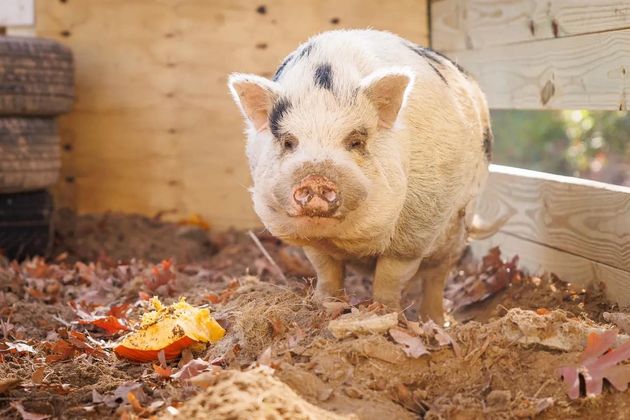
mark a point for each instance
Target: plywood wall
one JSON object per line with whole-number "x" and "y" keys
{"x": 540, "y": 54}
{"x": 154, "y": 129}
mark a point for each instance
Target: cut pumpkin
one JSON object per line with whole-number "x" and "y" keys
{"x": 170, "y": 329}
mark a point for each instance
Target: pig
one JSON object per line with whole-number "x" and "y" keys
{"x": 368, "y": 150}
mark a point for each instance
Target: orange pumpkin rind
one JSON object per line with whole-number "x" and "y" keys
{"x": 170, "y": 329}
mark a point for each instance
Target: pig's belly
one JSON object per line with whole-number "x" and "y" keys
{"x": 357, "y": 257}
{"x": 364, "y": 266}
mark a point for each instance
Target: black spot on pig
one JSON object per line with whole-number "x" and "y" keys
{"x": 261, "y": 10}
{"x": 431, "y": 60}
{"x": 278, "y": 73}
{"x": 335, "y": 21}
{"x": 306, "y": 51}
{"x": 439, "y": 73}
{"x": 487, "y": 143}
{"x": 323, "y": 76}
{"x": 457, "y": 66}
{"x": 278, "y": 112}
{"x": 435, "y": 57}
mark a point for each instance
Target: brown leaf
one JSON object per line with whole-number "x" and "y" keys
{"x": 164, "y": 372}
{"x": 135, "y": 403}
{"x": 110, "y": 324}
{"x": 277, "y": 326}
{"x": 491, "y": 277}
{"x": 38, "y": 376}
{"x": 412, "y": 345}
{"x": 119, "y": 311}
{"x": 213, "y": 298}
{"x": 191, "y": 369}
{"x": 335, "y": 308}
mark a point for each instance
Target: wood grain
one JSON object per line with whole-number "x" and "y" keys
{"x": 154, "y": 127}
{"x": 588, "y": 71}
{"x": 476, "y": 24}
{"x": 585, "y": 218}
{"x": 579, "y": 271}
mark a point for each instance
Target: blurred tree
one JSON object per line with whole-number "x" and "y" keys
{"x": 587, "y": 144}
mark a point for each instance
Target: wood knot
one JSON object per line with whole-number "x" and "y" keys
{"x": 555, "y": 28}
{"x": 547, "y": 92}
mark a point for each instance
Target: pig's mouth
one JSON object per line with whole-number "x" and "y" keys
{"x": 316, "y": 218}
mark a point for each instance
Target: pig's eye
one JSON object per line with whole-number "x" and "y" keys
{"x": 356, "y": 140}
{"x": 288, "y": 142}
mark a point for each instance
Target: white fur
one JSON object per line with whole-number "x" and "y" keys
{"x": 420, "y": 173}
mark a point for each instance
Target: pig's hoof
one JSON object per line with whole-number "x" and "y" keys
{"x": 437, "y": 317}
{"x": 322, "y": 295}
{"x": 389, "y": 300}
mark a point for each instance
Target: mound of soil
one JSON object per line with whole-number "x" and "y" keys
{"x": 285, "y": 355}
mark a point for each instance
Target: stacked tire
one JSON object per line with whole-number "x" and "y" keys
{"x": 36, "y": 85}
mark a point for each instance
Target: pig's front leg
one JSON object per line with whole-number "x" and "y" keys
{"x": 330, "y": 272}
{"x": 390, "y": 277}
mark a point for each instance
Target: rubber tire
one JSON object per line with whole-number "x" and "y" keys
{"x": 36, "y": 77}
{"x": 30, "y": 157}
{"x": 25, "y": 224}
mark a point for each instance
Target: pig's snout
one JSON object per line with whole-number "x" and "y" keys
{"x": 317, "y": 196}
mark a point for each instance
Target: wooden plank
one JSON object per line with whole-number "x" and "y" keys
{"x": 588, "y": 71}
{"x": 581, "y": 217}
{"x": 17, "y": 13}
{"x": 476, "y": 24}
{"x": 570, "y": 268}
{"x": 154, "y": 127}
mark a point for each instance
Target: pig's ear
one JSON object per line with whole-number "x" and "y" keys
{"x": 255, "y": 97}
{"x": 388, "y": 90}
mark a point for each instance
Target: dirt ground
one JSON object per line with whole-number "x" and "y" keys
{"x": 285, "y": 355}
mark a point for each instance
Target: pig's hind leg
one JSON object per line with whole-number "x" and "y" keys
{"x": 390, "y": 278}
{"x": 432, "y": 275}
{"x": 330, "y": 272}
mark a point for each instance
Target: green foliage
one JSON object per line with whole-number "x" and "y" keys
{"x": 589, "y": 144}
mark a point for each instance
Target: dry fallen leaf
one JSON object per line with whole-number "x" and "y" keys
{"x": 163, "y": 372}
{"x": 191, "y": 369}
{"x": 110, "y": 324}
{"x": 599, "y": 362}
{"x": 135, "y": 403}
{"x": 38, "y": 376}
{"x": 492, "y": 276}
{"x": 412, "y": 345}
{"x": 27, "y": 415}
{"x": 362, "y": 323}
{"x": 620, "y": 319}
{"x": 335, "y": 308}
{"x": 20, "y": 347}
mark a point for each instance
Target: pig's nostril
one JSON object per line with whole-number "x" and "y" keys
{"x": 329, "y": 194}
{"x": 303, "y": 195}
